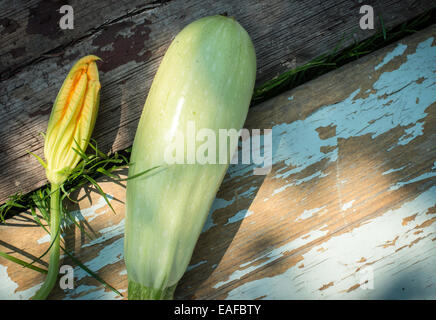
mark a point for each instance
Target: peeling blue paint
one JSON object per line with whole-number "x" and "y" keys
{"x": 92, "y": 293}
{"x": 421, "y": 177}
{"x": 403, "y": 270}
{"x": 393, "y": 170}
{"x": 273, "y": 255}
{"x": 193, "y": 266}
{"x": 87, "y": 214}
{"x": 240, "y": 215}
{"x": 309, "y": 213}
{"x": 110, "y": 254}
{"x": 297, "y": 182}
{"x": 222, "y": 203}
{"x": 108, "y": 233}
{"x": 347, "y": 205}
{"x": 8, "y": 288}
{"x": 217, "y": 204}
{"x": 298, "y": 144}
{"x": 398, "y": 51}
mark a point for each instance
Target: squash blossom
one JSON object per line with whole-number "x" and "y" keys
{"x": 70, "y": 127}
{"x": 72, "y": 119}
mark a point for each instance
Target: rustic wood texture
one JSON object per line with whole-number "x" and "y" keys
{"x": 348, "y": 210}
{"x": 131, "y": 37}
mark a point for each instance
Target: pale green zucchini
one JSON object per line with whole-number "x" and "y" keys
{"x": 206, "y": 76}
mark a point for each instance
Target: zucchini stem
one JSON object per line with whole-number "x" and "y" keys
{"x": 53, "y": 268}
{"x": 137, "y": 291}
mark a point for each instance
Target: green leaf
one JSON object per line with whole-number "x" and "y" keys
{"x": 39, "y": 159}
{"x": 91, "y": 273}
{"x": 107, "y": 173}
{"x": 95, "y": 184}
{"x": 79, "y": 151}
{"x": 45, "y": 252}
{"x": 383, "y": 27}
{"x": 38, "y": 221}
{"x": 97, "y": 151}
{"x": 73, "y": 220}
{"x": 21, "y": 262}
{"x": 139, "y": 174}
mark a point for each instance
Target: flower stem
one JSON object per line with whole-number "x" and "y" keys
{"x": 53, "y": 268}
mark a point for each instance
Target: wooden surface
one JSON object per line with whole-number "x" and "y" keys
{"x": 131, "y": 37}
{"x": 348, "y": 210}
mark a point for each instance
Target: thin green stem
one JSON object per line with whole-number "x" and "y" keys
{"x": 53, "y": 268}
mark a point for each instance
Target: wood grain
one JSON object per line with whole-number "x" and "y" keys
{"x": 131, "y": 38}
{"x": 39, "y": 22}
{"x": 348, "y": 210}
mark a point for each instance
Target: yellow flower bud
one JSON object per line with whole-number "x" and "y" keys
{"x": 72, "y": 119}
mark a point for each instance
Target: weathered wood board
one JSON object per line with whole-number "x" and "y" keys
{"x": 131, "y": 38}
{"x": 348, "y": 210}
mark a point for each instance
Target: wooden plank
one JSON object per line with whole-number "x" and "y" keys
{"x": 39, "y": 22}
{"x": 348, "y": 210}
{"x": 285, "y": 34}
{"x": 104, "y": 253}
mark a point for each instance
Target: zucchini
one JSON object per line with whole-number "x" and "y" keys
{"x": 206, "y": 78}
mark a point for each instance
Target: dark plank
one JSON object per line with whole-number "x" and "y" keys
{"x": 38, "y": 21}
{"x": 285, "y": 34}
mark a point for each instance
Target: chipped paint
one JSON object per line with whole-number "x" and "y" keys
{"x": 126, "y": 43}
{"x": 44, "y": 239}
{"x": 193, "y": 266}
{"x": 244, "y": 213}
{"x": 110, "y": 254}
{"x": 299, "y": 146}
{"x": 273, "y": 255}
{"x": 297, "y": 182}
{"x": 347, "y": 205}
{"x": 398, "y": 51}
{"x": 8, "y": 288}
{"x": 86, "y": 292}
{"x": 309, "y": 213}
{"x": 217, "y": 204}
{"x": 393, "y": 170}
{"x": 248, "y": 193}
{"x": 394, "y": 267}
{"x": 91, "y": 213}
{"x": 108, "y": 233}
{"x": 87, "y": 214}
{"x": 421, "y": 177}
